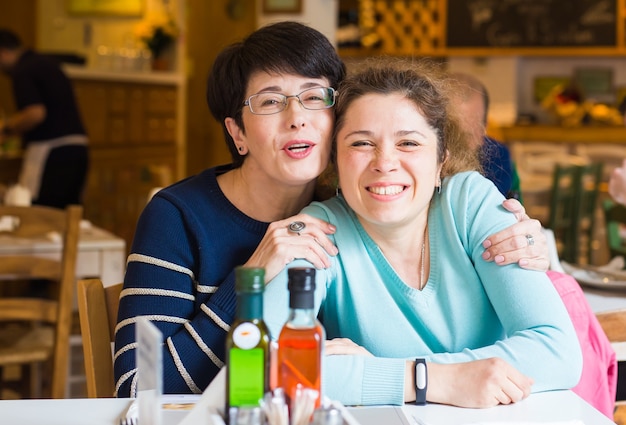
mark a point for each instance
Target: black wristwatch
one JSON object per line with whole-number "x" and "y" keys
{"x": 421, "y": 381}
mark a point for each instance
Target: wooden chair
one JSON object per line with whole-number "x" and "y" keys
{"x": 36, "y": 328}
{"x": 615, "y": 220}
{"x": 573, "y": 201}
{"x": 614, "y": 326}
{"x": 97, "y": 309}
{"x": 562, "y": 205}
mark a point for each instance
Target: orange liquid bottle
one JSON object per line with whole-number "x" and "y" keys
{"x": 301, "y": 340}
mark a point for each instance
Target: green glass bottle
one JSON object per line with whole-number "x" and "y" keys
{"x": 247, "y": 343}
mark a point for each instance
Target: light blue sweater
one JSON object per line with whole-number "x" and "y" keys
{"x": 470, "y": 309}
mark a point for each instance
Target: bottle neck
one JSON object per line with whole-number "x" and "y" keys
{"x": 302, "y": 317}
{"x": 249, "y": 306}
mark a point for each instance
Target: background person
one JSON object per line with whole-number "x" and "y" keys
{"x": 617, "y": 184}
{"x": 48, "y": 121}
{"x": 472, "y": 102}
{"x": 409, "y": 223}
{"x": 275, "y": 105}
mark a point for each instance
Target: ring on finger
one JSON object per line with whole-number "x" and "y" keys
{"x": 530, "y": 239}
{"x": 296, "y": 227}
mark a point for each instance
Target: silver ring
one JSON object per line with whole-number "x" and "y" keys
{"x": 530, "y": 239}
{"x": 296, "y": 227}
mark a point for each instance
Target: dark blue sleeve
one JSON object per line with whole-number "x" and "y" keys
{"x": 497, "y": 166}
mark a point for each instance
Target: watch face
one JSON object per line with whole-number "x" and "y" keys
{"x": 420, "y": 375}
{"x": 246, "y": 336}
{"x": 421, "y": 381}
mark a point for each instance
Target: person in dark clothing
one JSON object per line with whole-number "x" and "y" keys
{"x": 472, "y": 101}
{"x": 48, "y": 122}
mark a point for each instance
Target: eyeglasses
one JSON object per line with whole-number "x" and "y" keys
{"x": 272, "y": 103}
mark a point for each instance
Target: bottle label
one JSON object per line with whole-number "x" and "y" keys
{"x": 246, "y": 376}
{"x": 246, "y": 336}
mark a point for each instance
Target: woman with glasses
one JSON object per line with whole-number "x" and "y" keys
{"x": 274, "y": 94}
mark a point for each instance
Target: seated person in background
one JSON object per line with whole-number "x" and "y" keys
{"x": 472, "y": 100}
{"x": 617, "y": 184}
{"x": 408, "y": 281}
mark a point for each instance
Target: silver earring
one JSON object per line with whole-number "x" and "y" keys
{"x": 438, "y": 185}
{"x": 337, "y": 190}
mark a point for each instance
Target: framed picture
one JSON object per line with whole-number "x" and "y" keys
{"x": 595, "y": 83}
{"x": 542, "y": 85}
{"x": 282, "y": 6}
{"x": 105, "y": 7}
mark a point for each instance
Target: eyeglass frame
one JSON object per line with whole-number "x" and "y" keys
{"x": 285, "y": 98}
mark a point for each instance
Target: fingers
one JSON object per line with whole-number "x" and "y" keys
{"x": 345, "y": 346}
{"x": 307, "y": 240}
{"x": 313, "y": 228}
{"x": 514, "y": 206}
{"x": 513, "y": 245}
{"x": 516, "y": 388}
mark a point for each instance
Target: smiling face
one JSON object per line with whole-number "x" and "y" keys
{"x": 290, "y": 147}
{"x": 387, "y": 160}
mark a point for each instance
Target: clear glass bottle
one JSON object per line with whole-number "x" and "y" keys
{"x": 301, "y": 340}
{"x": 247, "y": 343}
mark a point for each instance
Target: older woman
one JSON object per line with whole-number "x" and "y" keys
{"x": 409, "y": 281}
{"x": 273, "y": 93}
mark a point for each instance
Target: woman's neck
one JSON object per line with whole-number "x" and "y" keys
{"x": 264, "y": 199}
{"x": 407, "y": 250}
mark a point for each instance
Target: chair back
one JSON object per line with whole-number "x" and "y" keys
{"x": 573, "y": 199}
{"x": 97, "y": 310}
{"x": 35, "y": 345}
{"x": 613, "y": 324}
{"x": 615, "y": 220}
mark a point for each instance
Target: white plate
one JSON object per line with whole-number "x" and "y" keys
{"x": 599, "y": 279}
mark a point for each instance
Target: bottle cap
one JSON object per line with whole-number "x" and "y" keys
{"x": 249, "y": 279}
{"x": 301, "y": 279}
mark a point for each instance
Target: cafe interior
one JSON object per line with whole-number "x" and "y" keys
{"x": 149, "y": 126}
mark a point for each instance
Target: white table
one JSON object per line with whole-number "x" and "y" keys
{"x": 100, "y": 253}
{"x": 605, "y": 300}
{"x": 545, "y": 407}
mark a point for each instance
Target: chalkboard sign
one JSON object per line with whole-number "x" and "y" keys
{"x": 531, "y": 23}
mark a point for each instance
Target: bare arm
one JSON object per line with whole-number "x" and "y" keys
{"x": 511, "y": 245}
{"x": 24, "y": 120}
{"x": 475, "y": 384}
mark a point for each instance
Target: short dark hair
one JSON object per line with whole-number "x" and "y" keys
{"x": 283, "y": 47}
{"x": 9, "y": 40}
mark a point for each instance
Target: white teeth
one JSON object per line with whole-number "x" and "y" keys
{"x": 298, "y": 147}
{"x": 386, "y": 190}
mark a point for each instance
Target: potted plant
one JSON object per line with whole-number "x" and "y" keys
{"x": 157, "y": 33}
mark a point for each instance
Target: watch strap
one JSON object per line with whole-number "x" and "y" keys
{"x": 421, "y": 381}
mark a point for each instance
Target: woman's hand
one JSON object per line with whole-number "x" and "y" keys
{"x": 512, "y": 245}
{"x": 476, "y": 384}
{"x": 280, "y": 246}
{"x": 617, "y": 184}
{"x": 344, "y": 346}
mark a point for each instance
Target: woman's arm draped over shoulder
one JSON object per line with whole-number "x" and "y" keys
{"x": 180, "y": 275}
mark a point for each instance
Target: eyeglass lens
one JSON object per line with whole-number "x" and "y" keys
{"x": 271, "y": 103}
